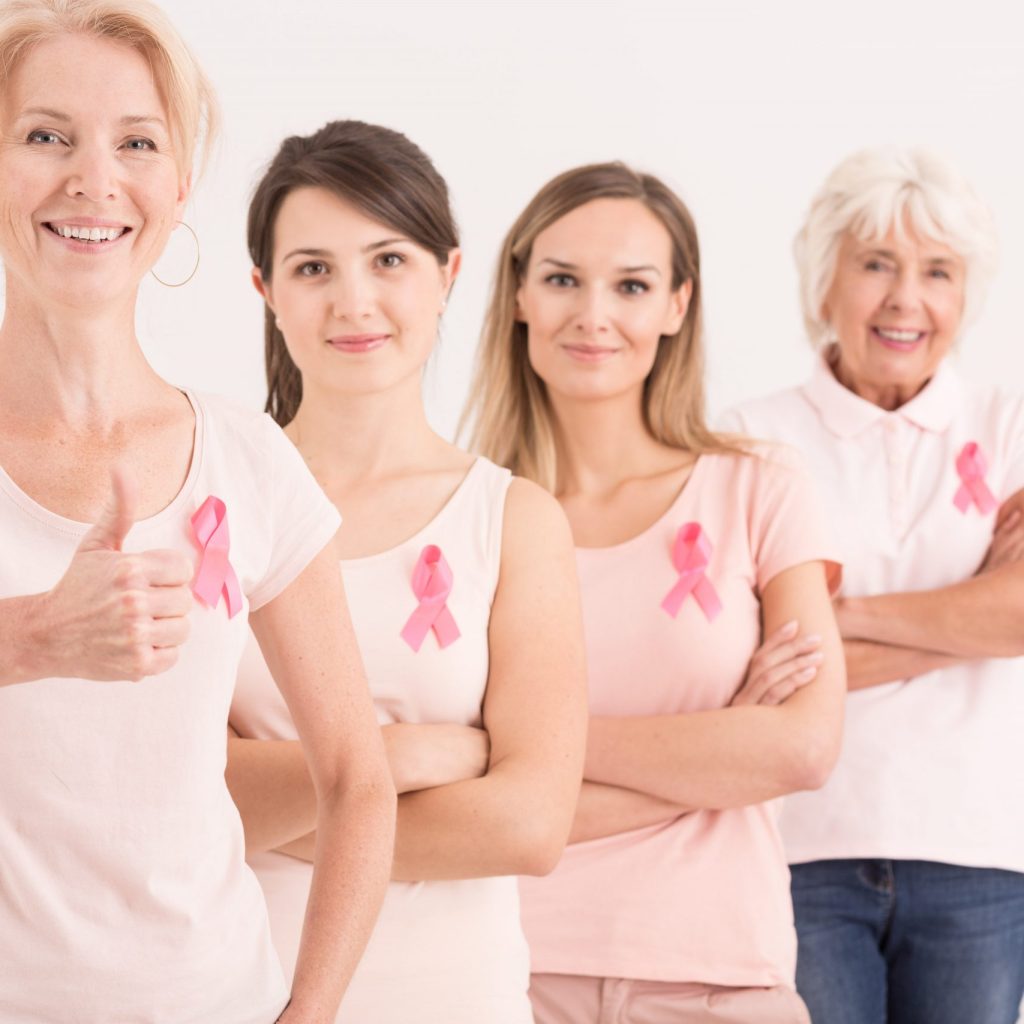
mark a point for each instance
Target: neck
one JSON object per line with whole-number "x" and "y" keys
{"x": 889, "y": 396}
{"x": 350, "y": 439}
{"x": 71, "y": 366}
{"x": 601, "y": 443}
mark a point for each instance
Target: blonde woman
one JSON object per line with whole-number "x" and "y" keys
{"x": 908, "y": 867}
{"x": 715, "y": 669}
{"x": 124, "y": 895}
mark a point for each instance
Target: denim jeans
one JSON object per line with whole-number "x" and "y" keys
{"x": 909, "y": 942}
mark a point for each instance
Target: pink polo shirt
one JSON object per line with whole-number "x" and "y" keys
{"x": 124, "y": 894}
{"x": 703, "y": 898}
{"x": 931, "y": 767}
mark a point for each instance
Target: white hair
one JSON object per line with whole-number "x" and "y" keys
{"x": 892, "y": 188}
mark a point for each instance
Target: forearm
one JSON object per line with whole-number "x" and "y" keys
{"x": 270, "y": 783}
{"x": 351, "y": 865}
{"x": 610, "y": 810}
{"x": 730, "y": 757}
{"x": 473, "y": 829}
{"x": 22, "y": 637}
{"x": 872, "y": 664}
{"x": 980, "y": 617}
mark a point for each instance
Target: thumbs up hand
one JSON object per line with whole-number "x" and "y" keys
{"x": 117, "y": 616}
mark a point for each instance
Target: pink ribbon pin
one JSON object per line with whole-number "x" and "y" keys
{"x": 431, "y": 583}
{"x": 691, "y": 553}
{"x": 971, "y": 468}
{"x": 215, "y": 575}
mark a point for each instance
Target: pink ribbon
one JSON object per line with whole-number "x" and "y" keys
{"x": 431, "y": 583}
{"x": 971, "y": 468}
{"x": 691, "y": 553}
{"x": 215, "y": 575}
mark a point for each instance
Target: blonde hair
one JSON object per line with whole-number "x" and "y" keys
{"x": 512, "y": 417}
{"x": 186, "y": 92}
{"x": 888, "y": 188}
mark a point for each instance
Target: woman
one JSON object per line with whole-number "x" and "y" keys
{"x": 908, "y": 876}
{"x": 123, "y": 890}
{"x": 672, "y": 902}
{"x": 464, "y": 595}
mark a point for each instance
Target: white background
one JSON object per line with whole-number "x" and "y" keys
{"x": 742, "y": 106}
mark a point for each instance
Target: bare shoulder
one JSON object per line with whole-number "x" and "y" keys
{"x": 534, "y": 521}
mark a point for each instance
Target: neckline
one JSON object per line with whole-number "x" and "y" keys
{"x": 431, "y": 524}
{"x": 56, "y": 521}
{"x": 672, "y": 510}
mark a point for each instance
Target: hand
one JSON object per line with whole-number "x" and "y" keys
{"x": 426, "y": 755}
{"x": 779, "y": 667}
{"x": 116, "y": 616}
{"x": 1007, "y": 539}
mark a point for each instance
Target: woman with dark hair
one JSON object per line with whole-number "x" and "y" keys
{"x": 714, "y": 665}
{"x": 462, "y": 587}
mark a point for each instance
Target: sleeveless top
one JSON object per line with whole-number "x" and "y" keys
{"x": 444, "y": 951}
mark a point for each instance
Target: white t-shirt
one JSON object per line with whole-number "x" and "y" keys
{"x": 124, "y": 895}
{"x": 930, "y": 767}
{"x": 442, "y": 951}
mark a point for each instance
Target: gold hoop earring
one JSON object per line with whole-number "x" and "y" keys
{"x": 180, "y": 284}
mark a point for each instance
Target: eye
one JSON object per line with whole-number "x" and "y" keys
{"x": 390, "y": 260}
{"x": 560, "y": 280}
{"x": 634, "y": 287}
{"x": 876, "y": 264}
{"x": 139, "y": 144}
{"x": 940, "y": 273}
{"x": 314, "y": 268}
{"x": 44, "y": 137}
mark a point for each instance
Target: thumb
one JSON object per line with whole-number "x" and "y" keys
{"x": 110, "y": 530}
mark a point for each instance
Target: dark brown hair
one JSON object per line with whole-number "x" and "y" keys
{"x": 378, "y": 171}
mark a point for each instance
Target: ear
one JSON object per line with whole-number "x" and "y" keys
{"x": 184, "y": 191}
{"x": 449, "y": 272}
{"x": 262, "y": 287}
{"x": 678, "y": 306}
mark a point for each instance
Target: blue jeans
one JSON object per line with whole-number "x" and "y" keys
{"x": 908, "y": 942}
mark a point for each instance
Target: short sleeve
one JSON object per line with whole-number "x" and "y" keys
{"x": 788, "y": 525}
{"x": 302, "y": 518}
{"x": 1013, "y": 478}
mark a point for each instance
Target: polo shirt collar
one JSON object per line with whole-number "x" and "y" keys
{"x": 847, "y": 414}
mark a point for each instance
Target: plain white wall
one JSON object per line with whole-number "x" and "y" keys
{"x": 742, "y": 106}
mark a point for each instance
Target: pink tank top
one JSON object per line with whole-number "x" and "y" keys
{"x": 442, "y": 951}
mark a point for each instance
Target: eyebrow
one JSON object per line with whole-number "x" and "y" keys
{"x": 562, "y": 265}
{"x": 57, "y": 115}
{"x": 890, "y": 255}
{"x": 320, "y": 254}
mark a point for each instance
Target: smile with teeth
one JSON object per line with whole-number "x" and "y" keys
{"x": 904, "y": 337}
{"x": 87, "y": 234}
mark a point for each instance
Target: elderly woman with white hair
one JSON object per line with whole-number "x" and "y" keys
{"x": 908, "y": 865}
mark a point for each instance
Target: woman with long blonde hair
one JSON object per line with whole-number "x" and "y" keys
{"x": 672, "y": 901}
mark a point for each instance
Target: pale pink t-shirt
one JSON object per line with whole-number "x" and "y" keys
{"x": 931, "y": 767}
{"x": 442, "y": 952}
{"x": 704, "y": 898}
{"x": 124, "y": 895}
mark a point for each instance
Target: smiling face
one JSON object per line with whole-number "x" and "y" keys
{"x": 358, "y": 303}
{"x": 89, "y": 187}
{"x": 597, "y": 298}
{"x": 895, "y": 307}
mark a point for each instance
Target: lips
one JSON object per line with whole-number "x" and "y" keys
{"x": 898, "y": 339}
{"x": 589, "y": 353}
{"x": 357, "y": 343}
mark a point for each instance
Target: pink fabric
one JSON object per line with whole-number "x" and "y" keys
{"x": 124, "y": 895}
{"x": 691, "y": 554}
{"x": 705, "y": 897}
{"x": 930, "y": 767}
{"x": 572, "y": 999}
{"x": 215, "y": 577}
{"x": 971, "y": 468}
{"x": 432, "y": 581}
{"x": 442, "y": 952}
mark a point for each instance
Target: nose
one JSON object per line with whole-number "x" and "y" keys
{"x": 351, "y": 296}
{"x": 92, "y": 173}
{"x": 591, "y": 313}
{"x": 905, "y": 293}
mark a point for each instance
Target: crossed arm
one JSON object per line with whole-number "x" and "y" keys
{"x": 512, "y": 814}
{"x": 897, "y": 636}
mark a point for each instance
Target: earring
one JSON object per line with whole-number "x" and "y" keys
{"x": 168, "y": 284}
{"x": 277, "y": 324}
